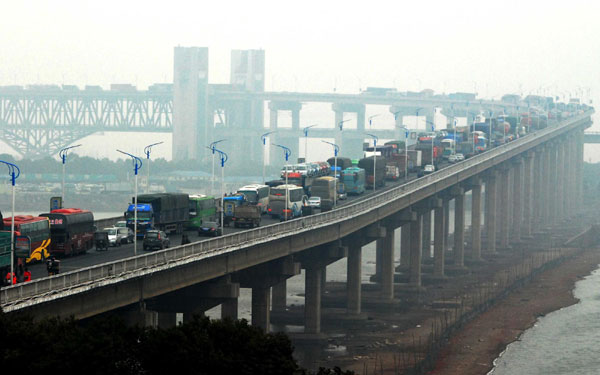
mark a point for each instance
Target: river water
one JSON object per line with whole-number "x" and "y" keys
{"x": 563, "y": 342}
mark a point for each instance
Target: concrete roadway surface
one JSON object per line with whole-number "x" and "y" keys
{"x": 93, "y": 257}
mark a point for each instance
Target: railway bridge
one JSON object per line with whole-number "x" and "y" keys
{"x": 530, "y": 184}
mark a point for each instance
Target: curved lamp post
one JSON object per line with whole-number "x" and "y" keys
{"x": 406, "y": 133}
{"x": 336, "y": 149}
{"x": 371, "y": 119}
{"x": 375, "y": 138}
{"x": 432, "y": 129}
{"x": 223, "y": 156}
{"x": 263, "y": 138}
{"x": 305, "y": 131}
{"x": 14, "y": 173}
{"x": 147, "y": 150}
{"x": 341, "y": 124}
{"x": 490, "y": 134}
{"x": 213, "y": 149}
{"x": 137, "y": 164}
{"x": 63, "y": 157}
{"x": 417, "y": 117}
{"x": 287, "y": 152}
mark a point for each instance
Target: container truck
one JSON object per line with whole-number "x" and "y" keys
{"x": 374, "y": 176}
{"x": 324, "y": 187}
{"x": 342, "y": 162}
{"x": 246, "y": 215}
{"x": 169, "y": 212}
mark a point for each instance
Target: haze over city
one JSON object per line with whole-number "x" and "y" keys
{"x": 531, "y": 47}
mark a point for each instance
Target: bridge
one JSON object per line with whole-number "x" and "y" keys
{"x": 519, "y": 179}
{"x": 39, "y": 120}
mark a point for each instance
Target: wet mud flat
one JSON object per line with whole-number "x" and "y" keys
{"x": 456, "y": 325}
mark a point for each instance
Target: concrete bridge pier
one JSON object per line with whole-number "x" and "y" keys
{"x": 416, "y": 251}
{"x": 527, "y": 194}
{"x": 405, "y": 245}
{"x": 560, "y": 182}
{"x": 537, "y": 189}
{"x": 446, "y": 204}
{"x": 504, "y": 203}
{"x": 459, "y": 226}
{"x": 475, "y": 253}
{"x": 490, "y": 212}
{"x": 569, "y": 176}
{"x": 279, "y": 291}
{"x": 553, "y": 184}
{"x": 516, "y": 202}
{"x": 546, "y": 187}
{"x": 426, "y": 235}
{"x": 438, "y": 245}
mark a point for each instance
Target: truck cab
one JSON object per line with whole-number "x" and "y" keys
{"x": 145, "y": 218}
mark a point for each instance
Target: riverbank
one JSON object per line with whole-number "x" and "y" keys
{"x": 473, "y": 350}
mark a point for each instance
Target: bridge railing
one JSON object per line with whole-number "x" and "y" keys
{"x": 94, "y": 275}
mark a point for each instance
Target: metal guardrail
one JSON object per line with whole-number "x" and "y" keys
{"x": 137, "y": 266}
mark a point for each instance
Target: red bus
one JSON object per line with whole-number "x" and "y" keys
{"x": 38, "y": 231}
{"x": 72, "y": 231}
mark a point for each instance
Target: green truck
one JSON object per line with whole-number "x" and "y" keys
{"x": 4, "y": 253}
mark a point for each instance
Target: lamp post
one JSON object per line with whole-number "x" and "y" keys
{"x": 406, "y": 133}
{"x": 336, "y": 149}
{"x": 432, "y": 129}
{"x": 137, "y": 164}
{"x": 375, "y": 138}
{"x": 305, "y": 131}
{"x": 417, "y": 118}
{"x": 213, "y": 149}
{"x": 287, "y": 152}
{"x": 224, "y": 159}
{"x": 490, "y": 134}
{"x": 147, "y": 150}
{"x": 63, "y": 157}
{"x": 263, "y": 138}
{"x": 341, "y": 124}
{"x": 14, "y": 173}
{"x": 371, "y": 119}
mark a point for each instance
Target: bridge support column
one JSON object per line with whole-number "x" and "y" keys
{"x": 279, "y": 297}
{"x": 490, "y": 212}
{"x": 504, "y": 202}
{"x": 354, "y": 273}
{"x": 438, "y": 245}
{"x": 516, "y": 200}
{"x": 546, "y": 187}
{"x": 387, "y": 267}
{"x": 527, "y": 196}
{"x": 475, "y": 254}
{"x": 569, "y": 166}
{"x": 553, "y": 202}
{"x": 459, "y": 226}
{"x": 426, "y": 235}
{"x": 261, "y": 307}
{"x": 579, "y": 169}
{"x": 229, "y": 309}
{"x": 415, "y": 251}
{"x": 560, "y": 182}
{"x": 446, "y": 204}
{"x": 312, "y": 307}
{"x": 537, "y": 192}
{"x": 405, "y": 244}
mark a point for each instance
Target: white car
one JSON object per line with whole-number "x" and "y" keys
{"x": 314, "y": 202}
{"x": 453, "y": 158}
{"x": 429, "y": 168}
{"x": 460, "y": 157}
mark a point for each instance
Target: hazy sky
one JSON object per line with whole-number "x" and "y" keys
{"x": 545, "y": 47}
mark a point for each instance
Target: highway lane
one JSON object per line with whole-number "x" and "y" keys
{"x": 93, "y": 257}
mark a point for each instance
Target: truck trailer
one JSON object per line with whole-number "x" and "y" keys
{"x": 168, "y": 212}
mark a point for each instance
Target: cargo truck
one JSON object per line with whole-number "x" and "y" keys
{"x": 342, "y": 162}
{"x": 324, "y": 187}
{"x": 246, "y": 215}
{"x": 374, "y": 176}
{"x": 168, "y": 212}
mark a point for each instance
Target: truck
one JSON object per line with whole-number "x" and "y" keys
{"x": 414, "y": 160}
{"x": 230, "y": 203}
{"x": 324, "y": 187}
{"x": 373, "y": 176}
{"x": 246, "y": 215}
{"x": 169, "y": 212}
{"x": 304, "y": 181}
{"x": 426, "y": 155}
{"x": 4, "y": 253}
{"x": 342, "y": 162}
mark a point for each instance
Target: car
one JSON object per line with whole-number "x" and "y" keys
{"x": 114, "y": 237}
{"x": 453, "y": 158}
{"x": 314, "y": 202}
{"x": 126, "y": 234}
{"x": 156, "y": 239}
{"x": 428, "y": 168}
{"x": 342, "y": 196}
{"x": 460, "y": 157}
{"x": 210, "y": 228}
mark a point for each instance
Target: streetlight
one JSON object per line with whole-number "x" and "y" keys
{"x": 63, "y": 157}
{"x": 336, "y": 149}
{"x": 406, "y": 133}
{"x": 433, "y": 130}
{"x": 137, "y": 164}
{"x": 371, "y": 119}
{"x": 417, "y": 119}
{"x": 341, "y": 124}
{"x": 287, "y": 152}
{"x": 305, "y": 131}
{"x": 263, "y": 138}
{"x": 490, "y": 135}
{"x": 147, "y": 150}
{"x": 213, "y": 149}
{"x": 224, "y": 159}
{"x": 12, "y": 168}
{"x": 375, "y": 138}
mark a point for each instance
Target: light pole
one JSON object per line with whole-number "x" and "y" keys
{"x": 63, "y": 157}
{"x": 263, "y": 138}
{"x": 490, "y": 134}
{"x": 147, "y": 150}
{"x": 417, "y": 118}
{"x": 213, "y": 149}
{"x": 224, "y": 159}
{"x": 287, "y": 152}
{"x": 371, "y": 119}
{"x": 406, "y": 133}
{"x": 433, "y": 130}
{"x": 305, "y": 131}
{"x": 336, "y": 149}
{"x": 14, "y": 173}
{"x": 375, "y": 138}
{"x": 137, "y": 164}
{"x": 341, "y": 124}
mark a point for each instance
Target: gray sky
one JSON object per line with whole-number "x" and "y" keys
{"x": 540, "y": 47}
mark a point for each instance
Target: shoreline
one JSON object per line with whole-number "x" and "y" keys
{"x": 474, "y": 348}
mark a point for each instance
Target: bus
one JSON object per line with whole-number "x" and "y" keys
{"x": 38, "y": 231}
{"x": 257, "y": 195}
{"x": 71, "y": 230}
{"x": 354, "y": 180}
{"x": 202, "y": 208}
{"x": 296, "y": 199}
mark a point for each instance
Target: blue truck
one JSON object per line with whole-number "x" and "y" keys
{"x": 168, "y": 212}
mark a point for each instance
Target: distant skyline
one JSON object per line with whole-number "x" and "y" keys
{"x": 523, "y": 47}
